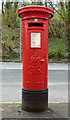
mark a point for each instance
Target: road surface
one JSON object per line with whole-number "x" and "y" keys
{"x": 12, "y": 82}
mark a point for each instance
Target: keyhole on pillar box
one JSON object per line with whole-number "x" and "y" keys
{"x": 44, "y": 56}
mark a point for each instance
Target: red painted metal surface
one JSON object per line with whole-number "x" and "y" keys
{"x": 35, "y": 58}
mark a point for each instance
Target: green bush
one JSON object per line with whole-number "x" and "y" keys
{"x": 57, "y": 50}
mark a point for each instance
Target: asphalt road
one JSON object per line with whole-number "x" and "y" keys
{"x": 12, "y": 83}
{"x": 11, "y": 91}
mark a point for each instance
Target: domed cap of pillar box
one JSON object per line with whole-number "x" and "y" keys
{"x": 35, "y": 12}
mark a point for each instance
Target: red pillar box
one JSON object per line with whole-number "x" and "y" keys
{"x": 35, "y": 57}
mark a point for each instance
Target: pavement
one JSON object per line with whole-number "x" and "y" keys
{"x": 54, "y": 111}
{"x": 11, "y": 86}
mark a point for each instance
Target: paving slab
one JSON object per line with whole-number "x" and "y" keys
{"x": 55, "y": 110}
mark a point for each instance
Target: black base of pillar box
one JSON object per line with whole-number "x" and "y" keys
{"x": 34, "y": 100}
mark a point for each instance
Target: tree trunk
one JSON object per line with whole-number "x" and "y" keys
{"x": 2, "y": 8}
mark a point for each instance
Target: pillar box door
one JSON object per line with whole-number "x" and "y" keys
{"x": 35, "y": 56}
